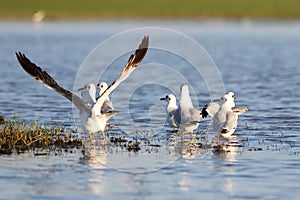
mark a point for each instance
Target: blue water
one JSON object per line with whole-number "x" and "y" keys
{"x": 259, "y": 61}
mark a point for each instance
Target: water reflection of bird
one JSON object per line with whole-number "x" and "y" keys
{"x": 91, "y": 117}
{"x": 185, "y": 116}
{"x": 225, "y": 119}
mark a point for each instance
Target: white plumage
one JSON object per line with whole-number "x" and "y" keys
{"x": 91, "y": 117}
{"x": 185, "y": 116}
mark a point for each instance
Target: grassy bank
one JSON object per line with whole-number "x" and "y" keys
{"x": 94, "y": 9}
{"x": 18, "y": 136}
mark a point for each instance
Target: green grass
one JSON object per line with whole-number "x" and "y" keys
{"x": 17, "y": 137}
{"x": 94, "y": 9}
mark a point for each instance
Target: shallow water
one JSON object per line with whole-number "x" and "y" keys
{"x": 257, "y": 60}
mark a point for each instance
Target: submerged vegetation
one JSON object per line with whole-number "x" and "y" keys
{"x": 18, "y": 137}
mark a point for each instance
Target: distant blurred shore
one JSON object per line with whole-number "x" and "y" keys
{"x": 154, "y": 9}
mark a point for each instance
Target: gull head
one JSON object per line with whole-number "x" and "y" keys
{"x": 230, "y": 96}
{"x": 102, "y": 86}
{"x": 89, "y": 87}
{"x": 171, "y": 99}
{"x": 228, "y": 100}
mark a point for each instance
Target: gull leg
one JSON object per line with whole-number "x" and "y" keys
{"x": 182, "y": 135}
{"x": 103, "y": 135}
{"x": 191, "y": 135}
{"x": 91, "y": 137}
{"x": 228, "y": 140}
{"x": 218, "y": 140}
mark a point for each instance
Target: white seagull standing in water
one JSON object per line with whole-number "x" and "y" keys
{"x": 185, "y": 116}
{"x": 171, "y": 108}
{"x": 225, "y": 119}
{"x": 91, "y": 117}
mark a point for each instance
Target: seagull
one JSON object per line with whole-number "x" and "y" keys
{"x": 225, "y": 119}
{"x": 88, "y": 93}
{"x": 107, "y": 104}
{"x": 91, "y": 117}
{"x": 171, "y": 108}
{"x": 185, "y": 116}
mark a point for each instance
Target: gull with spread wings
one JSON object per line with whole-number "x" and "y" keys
{"x": 91, "y": 117}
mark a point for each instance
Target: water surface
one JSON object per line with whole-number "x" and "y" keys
{"x": 257, "y": 60}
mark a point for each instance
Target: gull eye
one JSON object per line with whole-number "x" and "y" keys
{"x": 169, "y": 98}
{"x": 101, "y": 86}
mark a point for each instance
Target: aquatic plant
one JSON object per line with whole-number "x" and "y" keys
{"x": 17, "y": 137}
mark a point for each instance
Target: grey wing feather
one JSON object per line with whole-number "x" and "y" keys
{"x": 218, "y": 121}
{"x": 177, "y": 117}
{"x": 231, "y": 121}
{"x": 107, "y": 107}
{"x": 190, "y": 116}
{"x": 210, "y": 109}
{"x": 195, "y": 115}
{"x": 239, "y": 109}
{"x": 43, "y": 77}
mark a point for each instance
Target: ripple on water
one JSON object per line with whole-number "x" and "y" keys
{"x": 263, "y": 162}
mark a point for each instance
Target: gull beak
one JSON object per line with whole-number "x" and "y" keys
{"x": 80, "y": 89}
{"x": 163, "y": 98}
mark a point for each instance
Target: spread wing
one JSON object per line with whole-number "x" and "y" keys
{"x": 134, "y": 60}
{"x": 239, "y": 109}
{"x": 210, "y": 109}
{"x": 43, "y": 77}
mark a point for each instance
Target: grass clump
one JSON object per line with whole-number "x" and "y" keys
{"x": 17, "y": 137}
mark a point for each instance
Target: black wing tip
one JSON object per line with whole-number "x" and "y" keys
{"x": 145, "y": 42}
{"x": 140, "y": 53}
{"x": 204, "y": 112}
{"x": 23, "y": 60}
{"x": 20, "y": 56}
